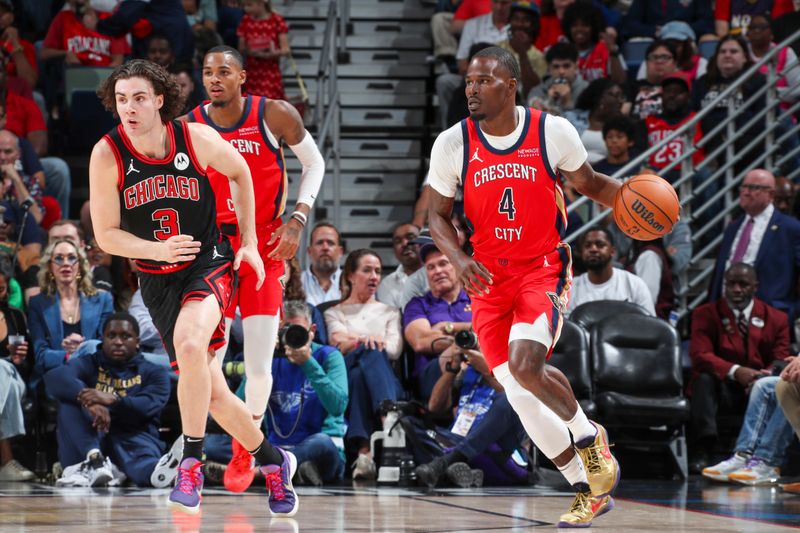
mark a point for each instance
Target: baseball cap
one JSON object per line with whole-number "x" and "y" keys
{"x": 677, "y": 29}
{"x": 426, "y": 244}
{"x": 525, "y": 6}
{"x": 678, "y": 76}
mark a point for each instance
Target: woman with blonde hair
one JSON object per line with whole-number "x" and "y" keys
{"x": 69, "y": 310}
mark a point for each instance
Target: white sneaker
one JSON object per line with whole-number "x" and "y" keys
{"x": 118, "y": 476}
{"x": 756, "y": 472}
{"x": 720, "y": 471}
{"x": 13, "y": 471}
{"x": 99, "y": 467}
{"x": 364, "y": 467}
{"x": 76, "y": 475}
{"x": 167, "y": 467}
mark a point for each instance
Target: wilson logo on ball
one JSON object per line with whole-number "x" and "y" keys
{"x": 648, "y": 216}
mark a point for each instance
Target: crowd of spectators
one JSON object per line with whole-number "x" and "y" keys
{"x": 378, "y": 336}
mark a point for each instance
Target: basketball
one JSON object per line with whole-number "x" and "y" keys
{"x": 646, "y": 207}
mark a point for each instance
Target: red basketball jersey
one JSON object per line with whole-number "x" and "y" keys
{"x": 659, "y": 129}
{"x": 267, "y": 166}
{"x": 594, "y": 65}
{"x": 512, "y": 196}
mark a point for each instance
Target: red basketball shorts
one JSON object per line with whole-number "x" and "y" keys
{"x": 267, "y": 300}
{"x": 525, "y": 301}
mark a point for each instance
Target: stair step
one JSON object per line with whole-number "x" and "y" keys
{"x": 383, "y": 118}
{"x": 368, "y": 42}
{"x": 382, "y": 148}
{"x": 362, "y": 28}
{"x": 375, "y": 10}
{"x": 371, "y": 219}
{"x": 367, "y": 187}
{"x": 356, "y": 86}
{"x": 362, "y": 70}
{"x": 353, "y": 165}
{"x": 392, "y": 57}
{"x": 382, "y": 245}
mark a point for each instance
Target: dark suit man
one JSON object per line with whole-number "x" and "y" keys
{"x": 734, "y": 342}
{"x": 764, "y": 238}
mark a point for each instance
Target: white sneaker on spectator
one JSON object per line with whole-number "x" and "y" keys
{"x": 14, "y": 471}
{"x": 76, "y": 475}
{"x": 167, "y": 467}
{"x": 756, "y": 472}
{"x": 364, "y": 467}
{"x": 720, "y": 471}
{"x": 119, "y": 476}
{"x": 100, "y": 472}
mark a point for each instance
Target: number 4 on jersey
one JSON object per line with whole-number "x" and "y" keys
{"x": 507, "y": 203}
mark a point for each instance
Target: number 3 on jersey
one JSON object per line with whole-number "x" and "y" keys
{"x": 507, "y": 203}
{"x": 170, "y": 226}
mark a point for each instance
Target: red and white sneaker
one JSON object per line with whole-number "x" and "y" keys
{"x": 241, "y": 470}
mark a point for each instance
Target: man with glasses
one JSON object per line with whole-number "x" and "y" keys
{"x": 764, "y": 238}
{"x": 390, "y": 290}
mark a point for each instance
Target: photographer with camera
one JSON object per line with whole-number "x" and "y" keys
{"x": 485, "y": 432}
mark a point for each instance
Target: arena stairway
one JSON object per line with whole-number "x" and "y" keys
{"x": 382, "y": 85}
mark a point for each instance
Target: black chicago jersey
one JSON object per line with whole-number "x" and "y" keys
{"x": 166, "y": 197}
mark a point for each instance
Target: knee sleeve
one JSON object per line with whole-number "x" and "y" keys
{"x": 544, "y": 427}
{"x": 260, "y": 335}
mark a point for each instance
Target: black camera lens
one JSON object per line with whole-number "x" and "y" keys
{"x": 294, "y": 336}
{"x": 466, "y": 340}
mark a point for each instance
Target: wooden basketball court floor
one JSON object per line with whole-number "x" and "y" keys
{"x": 663, "y": 506}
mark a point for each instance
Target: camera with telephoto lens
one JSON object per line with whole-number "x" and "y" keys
{"x": 290, "y": 335}
{"x": 466, "y": 340}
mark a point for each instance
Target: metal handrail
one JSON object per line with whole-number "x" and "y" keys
{"x": 724, "y": 175}
{"x": 689, "y": 126}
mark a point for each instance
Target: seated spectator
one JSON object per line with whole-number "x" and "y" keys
{"x": 308, "y": 401}
{"x": 602, "y": 281}
{"x": 647, "y": 18}
{"x": 21, "y": 64}
{"x": 14, "y": 368}
{"x": 368, "y": 333}
{"x": 490, "y": 28}
{"x": 22, "y": 186}
{"x": 183, "y": 75}
{"x": 734, "y": 342}
{"x": 762, "y": 441}
{"x": 159, "y": 50}
{"x": 733, "y": 18}
{"x": 321, "y": 278}
{"x": 71, "y": 231}
{"x": 651, "y": 263}
{"x": 447, "y": 24}
{"x": 681, "y": 37}
{"x": 110, "y": 404}
{"x": 563, "y": 85}
{"x": 390, "y": 291}
{"x": 484, "y": 434}
{"x": 431, "y": 321}
{"x": 142, "y": 19}
{"x": 764, "y": 238}
{"x": 730, "y": 60}
{"x": 601, "y": 100}
{"x": 202, "y": 17}
{"x": 293, "y": 290}
{"x": 618, "y": 135}
{"x": 72, "y": 38}
{"x": 263, "y": 41}
{"x": 598, "y": 52}
{"x": 523, "y": 30}
{"x": 787, "y": 391}
{"x": 784, "y": 197}
{"x": 646, "y": 93}
{"x": 69, "y": 310}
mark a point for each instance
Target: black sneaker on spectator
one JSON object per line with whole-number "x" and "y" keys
{"x": 461, "y": 475}
{"x": 307, "y": 474}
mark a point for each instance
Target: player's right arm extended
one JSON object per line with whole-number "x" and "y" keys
{"x": 105, "y": 208}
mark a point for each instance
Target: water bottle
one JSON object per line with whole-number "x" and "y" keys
{"x": 673, "y": 319}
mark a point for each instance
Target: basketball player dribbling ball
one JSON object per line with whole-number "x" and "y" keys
{"x": 151, "y": 200}
{"x": 508, "y": 158}
{"x": 257, "y": 127}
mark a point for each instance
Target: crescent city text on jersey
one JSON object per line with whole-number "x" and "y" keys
{"x": 504, "y": 171}
{"x": 161, "y": 186}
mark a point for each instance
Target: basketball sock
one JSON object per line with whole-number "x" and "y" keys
{"x": 193, "y": 447}
{"x": 575, "y": 473}
{"x": 545, "y": 428}
{"x": 583, "y": 431}
{"x": 260, "y": 335}
{"x": 267, "y": 454}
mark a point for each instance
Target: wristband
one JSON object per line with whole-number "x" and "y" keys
{"x": 300, "y": 217}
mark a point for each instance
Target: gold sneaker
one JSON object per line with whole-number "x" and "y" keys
{"x": 584, "y": 509}
{"x": 602, "y": 468}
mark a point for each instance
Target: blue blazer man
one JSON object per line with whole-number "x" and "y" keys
{"x": 777, "y": 262}
{"x": 47, "y": 329}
